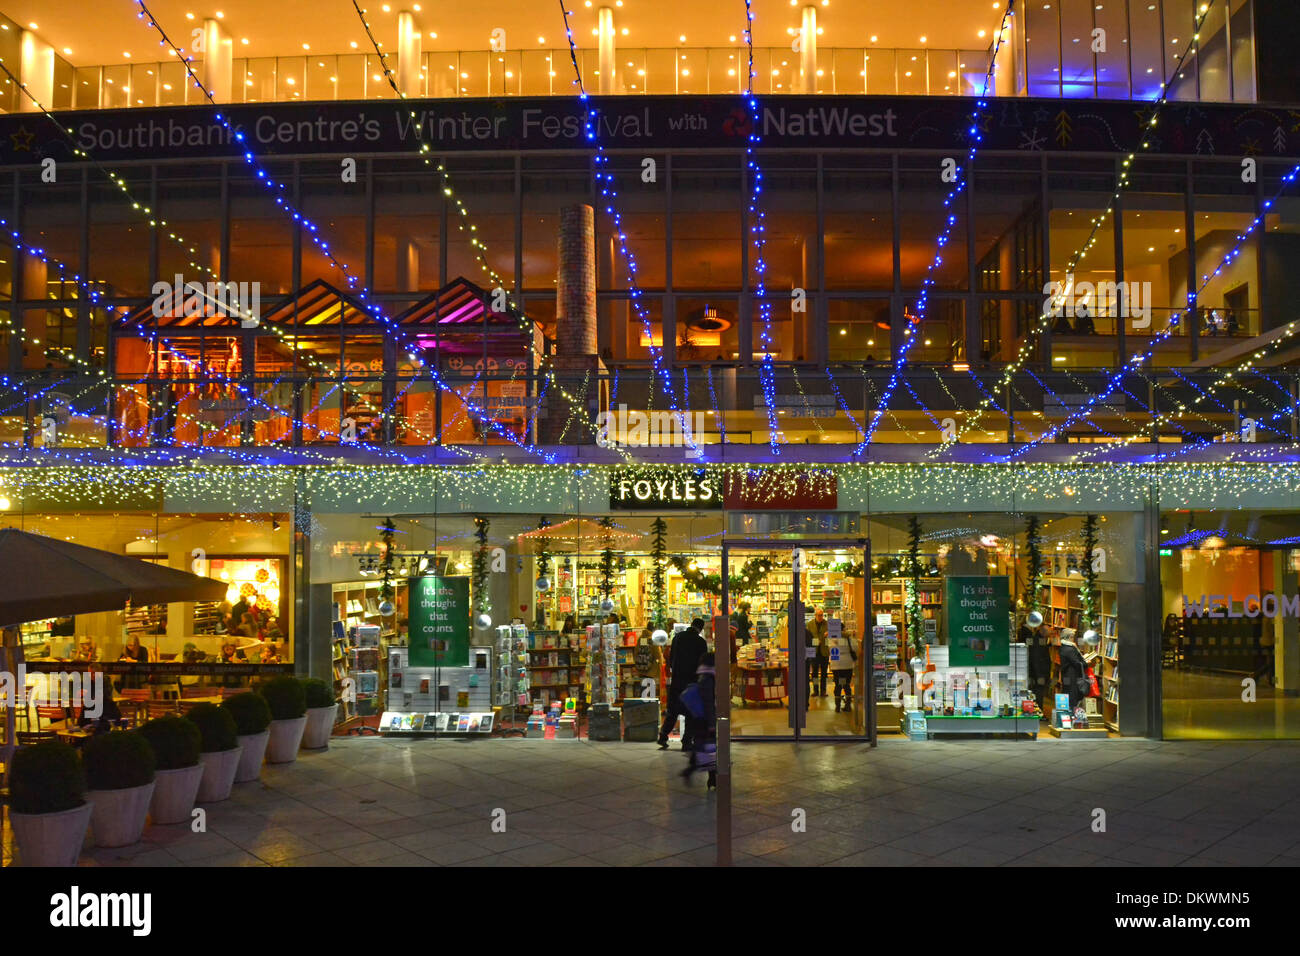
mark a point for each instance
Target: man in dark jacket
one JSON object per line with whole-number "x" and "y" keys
{"x": 683, "y": 658}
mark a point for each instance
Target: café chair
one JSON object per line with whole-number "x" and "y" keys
{"x": 28, "y": 738}
{"x": 159, "y": 708}
{"x": 50, "y": 715}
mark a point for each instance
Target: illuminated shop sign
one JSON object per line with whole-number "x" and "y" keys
{"x": 688, "y": 491}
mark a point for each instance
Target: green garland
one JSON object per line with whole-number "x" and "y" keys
{"x": 912, "y": 586}
{"x": 1035, "y": 552}
{"x": 386, "y": 565}
{"x": 480, "y": 566}
{"x": 1088, "y": 591}
{"x": 748, "y": 581}
{"x": 658, "y": 584}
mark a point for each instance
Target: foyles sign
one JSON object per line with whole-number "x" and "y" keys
{"x": 685, "y": 490}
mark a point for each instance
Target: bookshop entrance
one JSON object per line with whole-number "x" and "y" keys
{"x": 799, "y": 654}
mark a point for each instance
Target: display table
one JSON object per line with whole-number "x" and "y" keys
{"x": 1079, "y": 733}
{"x": 981, "y": 725}
{"x": 762, "y": 683}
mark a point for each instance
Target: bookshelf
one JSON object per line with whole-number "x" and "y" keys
{"x": 1063, "y": 603}
{"x": 37, "y": 633}
{"x": 890, "y": 596}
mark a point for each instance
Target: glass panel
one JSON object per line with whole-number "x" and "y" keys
{"x": 322, "y": 77}
{"x": 119, "y": 234}
{"x": 1216, "y": 80}
{"x": 706, "y": 224}
{"x": 1079, "y": 192}
{"x": 881, "y": 78}
{"x": 261, "y": 237}
{"x": 489, "y": 200}
{"x": 535, "y": 70}
{"x": 341, "y": 208}
{"x": 1242, "y": 29}
{"x": 189, "y": 198}
{"x": 87, "y": 80}
{"x": 407, "y": 234}
{"x": 858, "y": 331}
{"x": 1227, "y": 303}
{"x": 643, "y": 212}
{"x": 172, "y": 83}
{"x": 1180, "y": 25}
{"x": 923, "y": 217}
{"x": 1112, "y": 62}
{"x": 859, "y": 230}
{"x": 911, "y": 68}
{"x": 1042, "y": 49}
{"x": 352, "y": 77}
{"x": 1147, "y": 49}
{"x": 259, "y": 80}
{"x": 1077, "y": 64}
{"x": 1155, "y": 251}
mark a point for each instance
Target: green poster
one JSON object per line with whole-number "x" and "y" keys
{"x": 979, "y": 628}
{"x": 439, "y": 622}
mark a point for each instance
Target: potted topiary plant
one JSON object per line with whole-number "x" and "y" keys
{"x": 322, "y": 709}
{"x": 219, "y": 751}
{"x": 175, "y": 743}
{"x": 288, "y": 703}
{"x": 252, "y": 720}
{"x": 120, "y": 777}
{"x": 47, "y": 804}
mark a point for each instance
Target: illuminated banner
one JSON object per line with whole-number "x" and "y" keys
{"x": 644, "y": 122}
{"x": 665, "y": 490}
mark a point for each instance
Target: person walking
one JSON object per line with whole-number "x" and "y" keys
{"x": 699, "y": 704}
{"x": 683, "y": 658}
{"x": 818, "y": 663}
{"x": 844, "y": 657}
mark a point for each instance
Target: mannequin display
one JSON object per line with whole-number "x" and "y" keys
{"x": 1039, "y": 657}
{"x": 1073, "y": 668}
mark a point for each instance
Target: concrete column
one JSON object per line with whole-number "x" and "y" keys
{"x": 608, "y": 59}
{"x": 575, "y": 293}
{"x": 36, "y": 72}
{"x": 576, "y": 357}
{"x": 408, "y": 54}
{"x": 218, "y": 60}
{"x": 808, "y": 52}
{"x": 35, "y": 273}
{"x": 1286, "y": 634}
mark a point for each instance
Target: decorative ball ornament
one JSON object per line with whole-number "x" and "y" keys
{"x": 917, "y": 664}
{"x": 543, "y": 583}
{"x": 659, "y": 638}
{"x": 1034, "y": 619}
{"x": 386, "y": 609}
{"x": 484, "y": 621}
{"x": 1090, "y": 637}
{"x": 607, "y": 605}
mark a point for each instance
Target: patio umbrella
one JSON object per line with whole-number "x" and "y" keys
{"x": 47, "y": 577}
{"x": 52, "y": 578}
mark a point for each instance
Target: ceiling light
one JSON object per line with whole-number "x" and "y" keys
{"x": 433, "y": 36}
{"x": 353, "y": 44}
{"x": 306, "y": 46}
{"x": 244, "y": 41}
{"x": 386, "y": 8}
{"x": 682, "y": 38}
{"x": 874, "y": 38}
{"x": 221, "y": 15}
{"x": 126, "y": 54}
{"x": 189, "y": 16}
{"x": 67, "y": 51}
{"x": 981, "y": 34}
{"x": 541, "y": 39}
{"x": 732, "y": 38}
{"x": 922, "y": 39}
{"x": 624, "y": 31}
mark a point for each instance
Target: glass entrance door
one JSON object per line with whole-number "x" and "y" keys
{"x": 799, "y": 649}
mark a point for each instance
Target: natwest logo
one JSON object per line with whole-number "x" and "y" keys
{"x": 739, "y": 123}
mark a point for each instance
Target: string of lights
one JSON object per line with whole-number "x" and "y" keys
{"x": 1054, "y": 302}
{"x": 609, "y": 193}
{"x": 1284, "y": 333}
{"x": 758, "y": 230}
{"x": 959, "y": 187}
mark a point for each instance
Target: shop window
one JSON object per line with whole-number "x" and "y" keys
{"x": 859, "y": 223}
{"x": 923, "y": 217}
{"x": 707, "y": 211}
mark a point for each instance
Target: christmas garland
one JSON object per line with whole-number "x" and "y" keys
{"x": 480, "y": 567}
{"x": 658, "y": 584}
{"x": 1088, "y": 592}
{"x": 748, "y": 581}
{"x": 1035, "y": 551}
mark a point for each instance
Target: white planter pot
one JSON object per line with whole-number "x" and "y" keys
{"x": 250, "y": 758}
{"x": 320, "y": 724}
{"x": 286, "y": 735}
{"x": 218, "y": 774}
{"x": 119, "y": 815}
{"x": 174, "y": 793}
{"x": 51, "y": 839}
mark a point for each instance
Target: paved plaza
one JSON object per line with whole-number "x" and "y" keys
{"x": 379, "y": 802}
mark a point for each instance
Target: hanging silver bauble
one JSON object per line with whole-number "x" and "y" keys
{"x": 607, "y": 605}
{"x": 484, "y": 621}
{"x": 386, "y": 608}
{"x": 659, "y": 638}
{"x": 543, "y": 583}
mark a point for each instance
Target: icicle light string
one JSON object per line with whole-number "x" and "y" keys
{"x": 1027, "y": 348}
{"x": 910, "y": 335}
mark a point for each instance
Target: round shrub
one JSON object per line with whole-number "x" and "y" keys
{"x": 216, "y": 727}
{"x": 46, "y": 778}
{"x": 318, "y": 693}
{"x": 251, "y": 713}
{"x": 175, "y": 742}
{"x": 118, "y": 760}
{"x": 285, "y": 696}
